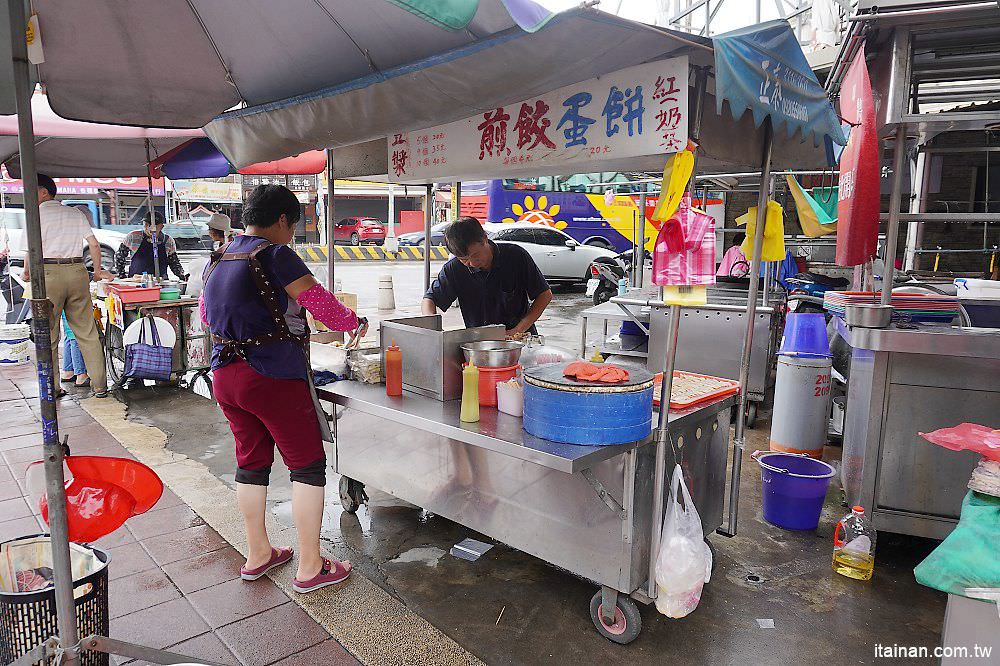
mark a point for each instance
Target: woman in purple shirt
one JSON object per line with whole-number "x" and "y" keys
{"x": 256, "y": 293}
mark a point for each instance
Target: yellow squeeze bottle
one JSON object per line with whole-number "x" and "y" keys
{"x": 470, "y": 394}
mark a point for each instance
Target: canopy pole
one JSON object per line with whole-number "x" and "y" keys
{"x": 149, "y": 209}
{"x": 41, "y": 314}
{"x": 331, "y": 254}
{"x": 428, "y": 214}
{"x": 895, "y": 198}
{"x": 639, "y": 242}
{"x": 739, "y": 436}
{"x": 661, "y": 434}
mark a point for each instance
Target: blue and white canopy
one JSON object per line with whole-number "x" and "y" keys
{"x": 762, "y": 68}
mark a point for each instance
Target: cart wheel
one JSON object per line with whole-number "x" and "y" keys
{"x": 114, "y": 348}
{"x": 352, "y": 494}
{"x": 715, "y": 555}
{"x": 627, "y": 624}
{"x": 751, "y": 414}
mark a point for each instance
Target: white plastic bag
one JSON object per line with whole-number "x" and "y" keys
{"x": 684, "y": 563}
{"x": 195, "y": 283}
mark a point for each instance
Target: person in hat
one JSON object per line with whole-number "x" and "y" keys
{"x": 148, "y": 249}
{"x": 219, "y": 229}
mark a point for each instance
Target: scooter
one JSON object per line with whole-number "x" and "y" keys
{"x": 808, "y": 290}
{"x": 606, "y": 272}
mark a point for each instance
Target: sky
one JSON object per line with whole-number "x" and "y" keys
{"x": 733, "y": 14}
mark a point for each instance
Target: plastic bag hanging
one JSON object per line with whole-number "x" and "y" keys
{"x": 676, "y": 175}
{"x": 684, "y": 252}
{"x": 773, "y": 245}
{"x": 684, "y": 561}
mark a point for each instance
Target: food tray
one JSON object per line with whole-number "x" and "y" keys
{"x": 690, "y": 389}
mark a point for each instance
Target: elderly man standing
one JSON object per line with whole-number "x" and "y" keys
{"x": 65, "y": 231}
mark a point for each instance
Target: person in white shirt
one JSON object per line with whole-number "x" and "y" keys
{"x": 65, "y": 232}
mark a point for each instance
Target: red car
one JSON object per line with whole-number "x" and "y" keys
{"x": 360, "y": 230}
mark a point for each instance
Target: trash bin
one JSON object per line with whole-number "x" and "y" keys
{"x": 29, "y": 618}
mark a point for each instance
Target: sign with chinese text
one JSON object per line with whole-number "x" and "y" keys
{"x": 859, "y": 200}
{"x": 87, "y": 185}
{"x": 206, "y": 190}
{"x": 638, "y": 111}
{"x": 294, "y": 183}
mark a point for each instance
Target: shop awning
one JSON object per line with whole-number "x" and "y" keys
{"x": 179, "y": 63}
{"x": 762, "y": 68}
{"x": 469, "y": 79}
{"x": 199, "y": 158}
{"x": 67, "y": 148}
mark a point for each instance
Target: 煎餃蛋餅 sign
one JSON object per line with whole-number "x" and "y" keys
{"x": 638, "y": 111}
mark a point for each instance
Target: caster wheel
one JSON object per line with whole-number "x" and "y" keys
{"x": 352, "y": 494}
{"x": 715, "y": 555}
{"x": 751, "y": 414}
{"x": 627, "y": 624}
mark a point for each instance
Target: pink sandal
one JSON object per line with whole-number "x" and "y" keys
{"x": 279, "y": 556}
{"x": 330, "y": 574}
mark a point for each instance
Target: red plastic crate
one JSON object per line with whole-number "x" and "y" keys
{"x": 136, "y": 294}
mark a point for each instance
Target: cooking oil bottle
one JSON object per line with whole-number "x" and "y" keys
{"x": 854, "y": 546}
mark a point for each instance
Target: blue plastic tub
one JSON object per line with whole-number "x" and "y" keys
{"x": 793, "y": 489}
{"x": 593, "y": 419}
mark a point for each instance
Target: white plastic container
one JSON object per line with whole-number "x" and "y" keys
{"x": 15, "y": 344}
{"x": 510, "y": 398}
{"x": 972, "y": 288}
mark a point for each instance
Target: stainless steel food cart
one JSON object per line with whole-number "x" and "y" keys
{"x": 585, "y": 509}
{"x": 907, "y": 381}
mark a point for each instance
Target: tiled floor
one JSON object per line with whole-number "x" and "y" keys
{"x": 174, "y": 581}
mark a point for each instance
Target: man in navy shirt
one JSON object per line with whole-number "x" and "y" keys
{"x": 493, "y": 283}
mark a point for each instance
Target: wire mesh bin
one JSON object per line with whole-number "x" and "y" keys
{"x": 29, "y": 618}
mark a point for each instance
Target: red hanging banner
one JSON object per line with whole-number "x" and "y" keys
{"x": 859, "y": 194}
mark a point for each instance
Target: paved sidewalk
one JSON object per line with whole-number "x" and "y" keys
{"x": 174, "y": 580}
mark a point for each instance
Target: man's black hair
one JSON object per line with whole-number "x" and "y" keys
{"x": 460, "y": 235}
{"x": 157, "y": 218}
{"x": 47, "y": 183}
{"x": 265, "y": 204}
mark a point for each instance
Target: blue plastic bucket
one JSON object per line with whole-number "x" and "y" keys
{"x": 793, "y": 489}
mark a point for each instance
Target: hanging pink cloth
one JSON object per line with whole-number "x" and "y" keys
{"x": 684, "y": 253}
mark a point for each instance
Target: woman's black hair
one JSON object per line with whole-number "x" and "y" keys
{"x": 460, "y": 235}
{"x": 266, "y": 203}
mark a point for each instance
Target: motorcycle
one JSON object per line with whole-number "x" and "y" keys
{"x": 606, "y": 272}
{"x": 808, "y": 290}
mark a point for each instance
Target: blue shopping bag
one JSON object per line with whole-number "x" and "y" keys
{"x": 148, "y": 361}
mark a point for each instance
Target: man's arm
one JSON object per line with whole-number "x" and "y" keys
{"x": 428, "y": 307}
{"x": 534, "y": 312}
{"x": 95, "y": 255}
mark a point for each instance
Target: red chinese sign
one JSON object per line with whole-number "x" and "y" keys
{"x": 858, "y": 195}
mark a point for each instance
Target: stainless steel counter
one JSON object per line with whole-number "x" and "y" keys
{"x": 903, "y": 382}
{"x": 936, "y": 339}
{"x": 495, "y": 430}
{"x": 587, "y": 510}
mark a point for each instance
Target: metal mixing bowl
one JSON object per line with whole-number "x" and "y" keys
{"x": 868, "y": 315}
{"x": 493, "y": 353}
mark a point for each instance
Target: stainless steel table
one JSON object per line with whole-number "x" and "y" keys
{"x": 907, "y": 381}
{"x": 584, "y": 509}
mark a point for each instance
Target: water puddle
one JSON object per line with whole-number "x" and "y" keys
{"x": 428, "y": 555}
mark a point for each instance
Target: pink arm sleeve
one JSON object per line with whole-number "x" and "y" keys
{"x": 325, "y": 308}
{"x": 201, "y": 309}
